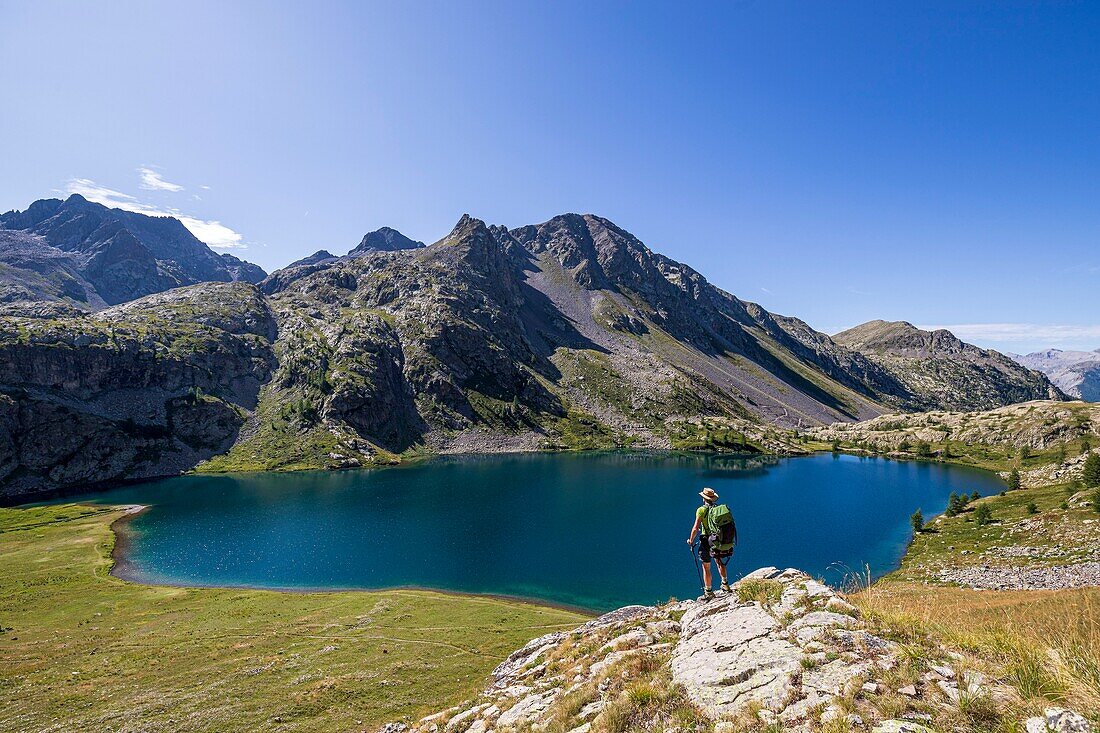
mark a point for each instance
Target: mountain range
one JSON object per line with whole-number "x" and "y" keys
{"x": 1077, "y": 373}
{"x": 88, "y": 256}
{"x": 566, "y": 334}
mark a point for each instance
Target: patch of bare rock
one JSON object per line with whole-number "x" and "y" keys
{"x": 782, "y": 651}
{"x": 1053, "y": 577}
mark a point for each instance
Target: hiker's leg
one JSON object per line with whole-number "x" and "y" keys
{"x": 722, "y": 572}
{"x": 706, "y": 575}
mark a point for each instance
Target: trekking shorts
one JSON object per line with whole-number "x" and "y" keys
{"x": 704, "y": 549}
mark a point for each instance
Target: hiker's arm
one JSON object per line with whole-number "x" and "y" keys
{"x": 694, "y": 529}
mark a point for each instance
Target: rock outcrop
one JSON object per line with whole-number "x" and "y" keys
{"x": 1035, "y": 426}
{"x": 781, "y": 652}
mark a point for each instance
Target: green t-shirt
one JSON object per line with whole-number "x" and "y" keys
{"x": 701, "y": 511}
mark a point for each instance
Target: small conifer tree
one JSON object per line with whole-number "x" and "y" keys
{"x": 1091, "y": 474}
{"x": 983, "y": 515}
{"x": 917, "y": 520}
{"x": 1014, "y": 479}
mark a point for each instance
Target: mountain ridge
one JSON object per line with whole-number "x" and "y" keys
{"x": 1077, "y": 373}
{"x": 105, "y": 256}
{"x": 944, "y": 372}
{"x": 570, "y": 333}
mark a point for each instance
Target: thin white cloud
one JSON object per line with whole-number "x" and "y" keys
{"x": 1022, "y": 332}
{"x": 152, "y": 181}
{"x": 212, "y": 233}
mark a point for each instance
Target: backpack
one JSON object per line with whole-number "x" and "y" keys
{"x": 720, "y": 529}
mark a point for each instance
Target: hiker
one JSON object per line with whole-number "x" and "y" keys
{"x": 717, "y": 536}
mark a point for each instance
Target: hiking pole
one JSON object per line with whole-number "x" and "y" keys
{"x": 698, "y": 569}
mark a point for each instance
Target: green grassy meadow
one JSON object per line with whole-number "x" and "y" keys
{"x": 83, "y": 650}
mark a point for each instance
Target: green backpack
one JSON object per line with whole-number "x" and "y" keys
{"x": 720, "y": 529}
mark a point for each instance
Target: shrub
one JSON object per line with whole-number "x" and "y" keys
{"x": 1032, "y": 508}
{"x": 905, "y": 445}
{"x": 1096, "y": 501}
{"x": 983, "y": 515}
{"x": 924, "y": 448}
{"x": 917, "y": 520}
{"x": 1025, "y": 453}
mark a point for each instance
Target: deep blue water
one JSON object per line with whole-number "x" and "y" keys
{"x": 592, "y": 530}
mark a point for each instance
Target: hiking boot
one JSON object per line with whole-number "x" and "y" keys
{"x": 726, "y": 588}
{"x": 708, "y": 594}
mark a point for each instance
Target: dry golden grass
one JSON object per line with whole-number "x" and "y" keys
{"x": 1045, "y": 644}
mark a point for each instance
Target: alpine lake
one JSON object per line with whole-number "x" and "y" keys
{"x": 595, "y": 530}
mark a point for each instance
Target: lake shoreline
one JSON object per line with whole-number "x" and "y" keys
{"x": 120, "y": 568}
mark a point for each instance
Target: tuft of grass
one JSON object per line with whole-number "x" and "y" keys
{"x": 765, "y": 592}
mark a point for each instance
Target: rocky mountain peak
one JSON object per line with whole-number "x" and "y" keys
{"x": 120, "y": 254}
{"x": 385, "y": 239}
{"x": 896, "y": 336}
{"x": 472, "y": 243}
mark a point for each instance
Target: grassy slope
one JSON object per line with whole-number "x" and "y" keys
{"x": 82, "y": 650}
{"x": 1046, "y": 643}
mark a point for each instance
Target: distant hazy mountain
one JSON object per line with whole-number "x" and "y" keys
{"x": 943, "y": 372}
{"x": 1077, "y": 373}
{"x": 88, "y": 255}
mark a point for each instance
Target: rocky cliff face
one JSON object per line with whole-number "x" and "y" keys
{"x": 1077, "y": 373}
{"x": 145, "y": 389}
{"x": 90, "y": 255}
{"x": 781, "y": 652}
{"x": 941, "y": 372}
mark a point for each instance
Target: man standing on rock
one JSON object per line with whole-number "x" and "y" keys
{"x": 710, "y": 501}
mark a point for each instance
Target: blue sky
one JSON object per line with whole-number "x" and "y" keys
{"x": 837, "y": 161}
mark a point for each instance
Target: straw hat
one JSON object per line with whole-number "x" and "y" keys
{"x": 709, "y": 494}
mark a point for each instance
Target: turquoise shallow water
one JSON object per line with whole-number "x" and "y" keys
{"x": 591, "y": 530}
